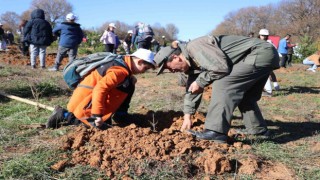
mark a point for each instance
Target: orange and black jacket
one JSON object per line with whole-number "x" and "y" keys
{"x": 102, "y": 92}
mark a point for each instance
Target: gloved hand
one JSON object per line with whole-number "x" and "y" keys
{"x": 98, "y": 122}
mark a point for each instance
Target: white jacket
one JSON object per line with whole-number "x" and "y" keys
{"x": 108, "y": 37}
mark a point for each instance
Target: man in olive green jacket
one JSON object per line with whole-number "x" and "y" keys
{"x": 236, "y": 66}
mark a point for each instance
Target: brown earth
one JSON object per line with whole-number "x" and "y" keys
{"x": 116, "y": 148}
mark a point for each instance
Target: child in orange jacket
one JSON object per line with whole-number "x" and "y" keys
{"x": 106, "y": 90}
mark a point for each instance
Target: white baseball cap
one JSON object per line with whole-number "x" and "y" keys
{"x": 130, "y": 31}
{"x": 264, "y": 32}
{"x": 71, "y": 17}
{"x": 145, "y": 54}
{"x": 112, "y": 25}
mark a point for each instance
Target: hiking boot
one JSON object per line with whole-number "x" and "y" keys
{"x": 209, "y": 135}
{"x": 33, "y": 66}
{"x": 43, "y": 67}
{"x": 263, "y": 135}
{"x": 53, "y": 69}
{"x": 56, "y": 117}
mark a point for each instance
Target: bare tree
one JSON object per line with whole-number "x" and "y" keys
{"x": 55, "y": 10}
{"x": 297, "y": 17}
{"x": 172, "y": 31}
{"x": 26, "y": 15}
{"x": 10, "y": 20}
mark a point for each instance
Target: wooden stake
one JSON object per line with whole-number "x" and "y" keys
{"x": 27, "y": 101}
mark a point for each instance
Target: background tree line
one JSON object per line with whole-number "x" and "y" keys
{"x": 300, "y": 18}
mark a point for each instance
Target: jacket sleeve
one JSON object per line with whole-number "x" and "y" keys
{"x": 56, "y": 30}
{"x": 104, "y": 35}
{"x": 211, "y": 60}
{"x": 191, "y": 101}
{"x": 27, "y": 30}
{"x": 114, "y": 76}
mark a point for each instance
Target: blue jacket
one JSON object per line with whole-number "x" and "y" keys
{"x": 70, "y": 34}
{"x": 283, "y": 47}
{"x": 38, "y": 31}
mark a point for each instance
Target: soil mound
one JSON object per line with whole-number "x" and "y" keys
{"x": 120, "y": 149}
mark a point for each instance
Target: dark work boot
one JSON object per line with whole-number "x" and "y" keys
{"x": 210, "y": 135}
{"x": 56, "y": 118}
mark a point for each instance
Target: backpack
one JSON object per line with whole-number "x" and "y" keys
{"x": 77, "y": 69}
{"x": 145, "y": 31}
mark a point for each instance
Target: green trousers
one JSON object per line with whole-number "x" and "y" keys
{"x": 241, "y": 88}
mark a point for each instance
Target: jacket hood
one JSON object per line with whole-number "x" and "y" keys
{"x": 37, "y": 13}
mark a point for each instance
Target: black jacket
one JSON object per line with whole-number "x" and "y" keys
{"x": 38, "y": 31}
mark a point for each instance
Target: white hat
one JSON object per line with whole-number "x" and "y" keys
{"x": 130, "y": 31}
{"x": 112, "y": 25}
{"x": 163, "y": 36}
{"x": 145, "y": 54}
{"x": 71, "y": 17}
{"x": 264, "y": 32}
{"x": 1, "y": 24}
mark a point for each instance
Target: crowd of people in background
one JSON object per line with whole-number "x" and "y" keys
{"x": 37, "y": 34}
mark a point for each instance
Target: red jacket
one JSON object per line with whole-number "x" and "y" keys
{"x": 104, "y": 98}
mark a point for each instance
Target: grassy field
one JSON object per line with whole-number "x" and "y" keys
{"x": 28, "y": 150}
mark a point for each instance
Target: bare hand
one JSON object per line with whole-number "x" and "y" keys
{"x": 195, "y": 88}
{"x": 187, "y": 123}
{"x": 98, "y": 121}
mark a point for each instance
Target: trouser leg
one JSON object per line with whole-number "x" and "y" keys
{"x": 252, "y": 117}
{"x": 109, "y": 47}
{"x": 61, "y": 53}
{"x": 34, "y": 54}
{"x": 42, "y": 56}
{"x": 229, "y": 92}
{"x": 72, "y": 53}
{"x": 284, "y": 60}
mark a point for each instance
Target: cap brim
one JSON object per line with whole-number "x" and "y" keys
{"x": 161, "y": 69}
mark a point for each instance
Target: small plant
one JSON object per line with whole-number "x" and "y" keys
{"x": 153, "y": 124}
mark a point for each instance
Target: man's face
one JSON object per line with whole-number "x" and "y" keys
{"x": 177, "y": 65}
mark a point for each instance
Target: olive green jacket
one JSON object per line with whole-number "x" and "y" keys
{"x": 212, "y": 57}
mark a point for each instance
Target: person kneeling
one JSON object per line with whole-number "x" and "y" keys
{"x": 107, "y": 90}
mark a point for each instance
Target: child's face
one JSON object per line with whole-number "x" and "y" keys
{"x": 141, "y": 67}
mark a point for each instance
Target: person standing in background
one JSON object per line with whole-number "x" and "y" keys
{"x": 264, "y": 35}
{"x": 108, "y": 38}
{"x": 283, "y": 50}
{"x": 142, "y": 36}
{"x": 38, "y": 32}
{"x": 290, "y": 52}
{"x": 70, "y": 36}
{"x": 24, "y": 46}
{"x": 127, "y": 42}
{"x": 3, "y": 44}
